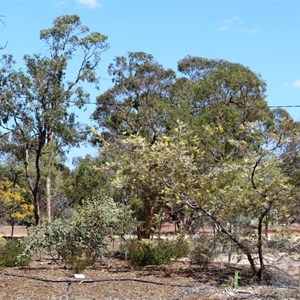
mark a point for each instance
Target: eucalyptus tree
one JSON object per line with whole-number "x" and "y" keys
{"x": 223, "y": 82}
{"x": 290, "y": 155}
{"x": 148, "y": 99}
{"x": 138, "y": 102}
{"x": 36, "y": 102}
{"x": 85, "y": 180}
{"x": 223, "y": 95}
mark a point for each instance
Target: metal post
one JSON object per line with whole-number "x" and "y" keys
{"x": 236, "y": 279}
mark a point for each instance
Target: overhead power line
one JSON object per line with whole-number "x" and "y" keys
{"x": 283, "y": 106}
{"x": 271, "y": 106}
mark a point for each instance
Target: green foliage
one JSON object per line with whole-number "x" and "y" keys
{"x": 151, "y": 174}
{"x": 204, "y": 248}
{"x": 201, "y": 255}
{"x": 138, "y": 101}
{"x": 78, "y": 262}
{"x": 179, "y": 248}
{"x": 35, "y": 102}
{"x": 151, "y": 252}
{"x": 10, "y": 252}
{"x": 206, "y": 141}
{"x": 244, "y": 188}
{"x": 142, "y": 253}
{"x": 85, "y": 234}
{"x": 219, "y": 82}
{"x": 85, "y": 179}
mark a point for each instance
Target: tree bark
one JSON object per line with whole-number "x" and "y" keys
{"x": 12, "y": 229}
{"x": 48, "y": 182}
{"x": 35, "y": 187}
{"x": 260, "y": 251}
{"x": 260, "y": 240}
{"x": 145, "y": 229}
{"x": 48, "y": 197}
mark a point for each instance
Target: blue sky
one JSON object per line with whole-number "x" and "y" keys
{"x": 262, "y": 35}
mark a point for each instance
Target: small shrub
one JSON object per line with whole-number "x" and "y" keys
{"x": 77, "y": 264}
{"x": 149, "y": 252}
{"x": 84, "y": 235}
{"x": 9, "y": 253}
{"x": 79, "y": 261}
{"x": 201, "y": 255}
{"x": 134, "y": 252}
{"x": 180, "y": 248}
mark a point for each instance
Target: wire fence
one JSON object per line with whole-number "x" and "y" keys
{"x": 280, "y": 251}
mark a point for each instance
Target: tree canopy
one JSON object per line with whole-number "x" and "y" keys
{"x": 200, "y": 141}
{"x": 35, "y": 103}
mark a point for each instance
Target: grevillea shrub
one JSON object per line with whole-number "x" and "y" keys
{"x": 9, "y": 252}
{"x": 156, "y": 252}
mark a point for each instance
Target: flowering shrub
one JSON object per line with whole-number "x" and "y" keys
{"x": 13, "y": 205}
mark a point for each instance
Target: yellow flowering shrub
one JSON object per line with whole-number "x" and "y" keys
{"x": 13, "y": 205}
